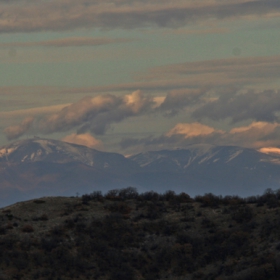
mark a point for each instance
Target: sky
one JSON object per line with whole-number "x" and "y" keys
{"x": 129, "y": 76}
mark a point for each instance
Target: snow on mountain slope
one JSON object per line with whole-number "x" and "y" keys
{"x": 43, "y": 149}
{"x": 37, "y": 167}
{"x": 39, "y": 149}
{"x": 193, "y": 155}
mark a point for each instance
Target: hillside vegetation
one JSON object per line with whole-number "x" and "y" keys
{"x": 125, "y": 235}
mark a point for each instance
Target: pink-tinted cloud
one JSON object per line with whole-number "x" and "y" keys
{"x": 180, "y": 136}
{"x": 270, "y": 150}
{"x": 255, "y": 129}
{"x": 90, "y": 114}
{"x": 255, "y": 135}
{"x": 84, "y": 139}
{"x": 16, "y": 131}
{"x": 190, "y": 130}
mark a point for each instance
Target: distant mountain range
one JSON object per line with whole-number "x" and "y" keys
{"x": 42, "y": 167}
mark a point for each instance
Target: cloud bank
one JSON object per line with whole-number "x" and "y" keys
{"x": 260, "y": 106}
{"x": 255, "y": 135}
{"x": 97, "y": 114}
{"x": 30, "y": 16}
{"x": 90, "y": 114}
{"x": 203, "y": 92}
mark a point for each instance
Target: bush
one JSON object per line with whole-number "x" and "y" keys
{"x": 183, "y": 198}
{"x": 149, "y": 196}
{"x": 39, "y": 201}
{"x": 242, "y": 215}
{"x": 124, "y": 272}
{"x": 112, "y": 194}
{"x": 233, "y": 200}
{"x": 48, "y": 244}
{"x": 270, "y": 198}
{"x": 169, "y": 195}
{"x": 27, "y": 228}
{"x": 128, "y": 193}
{"x": 120, "y": 207}
{"x": 209, "y": 200}
{"x": 95, "y": 196}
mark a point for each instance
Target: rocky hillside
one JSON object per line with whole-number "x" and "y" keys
{"x": 125, "y": 235}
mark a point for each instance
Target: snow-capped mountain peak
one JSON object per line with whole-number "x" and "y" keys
{"x": 42, "y": 167}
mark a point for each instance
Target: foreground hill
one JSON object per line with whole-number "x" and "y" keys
{"x": 127, "y": 236}
{"x": 42, "y": 167}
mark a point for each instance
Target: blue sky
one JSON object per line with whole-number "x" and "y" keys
{"x": 135, "y": 75}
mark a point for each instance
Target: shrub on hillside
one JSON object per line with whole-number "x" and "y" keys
{"x": 27, "y": 228}
{"x": 119, "y": 207}
{"x": 149, "y": 196}
{"x": 242, "y": 214}
{"x": 128, "y": 193}
{"x": 209, "y": 200}
{"x": 95, "y": 196}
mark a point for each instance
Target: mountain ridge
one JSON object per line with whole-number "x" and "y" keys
{"x": 45, "y": 167}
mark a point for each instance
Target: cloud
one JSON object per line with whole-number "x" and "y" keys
{"x": 30, "y": 16}
{"x": 190, "y": 130}
{"x": 243, "y": 70}
{"x": 259, "y": 106}
{"x": 98, "y": 113}
{"x": 255, "y": 135}
{"x": 84, "y": 140}
{"x": 93, "y": 114}
{"x": 255, "y": 129}
{"x": 33, "y": 111}
{"x": 235, "y": 72}
{"x": 67, "y": 42}
{"x": 180, "y": 136}
{"x": 183, "y": 31}
{"x": 16, "y": 131}
{"x": 270, "y": 150}
{"x": 176, "y": 100}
